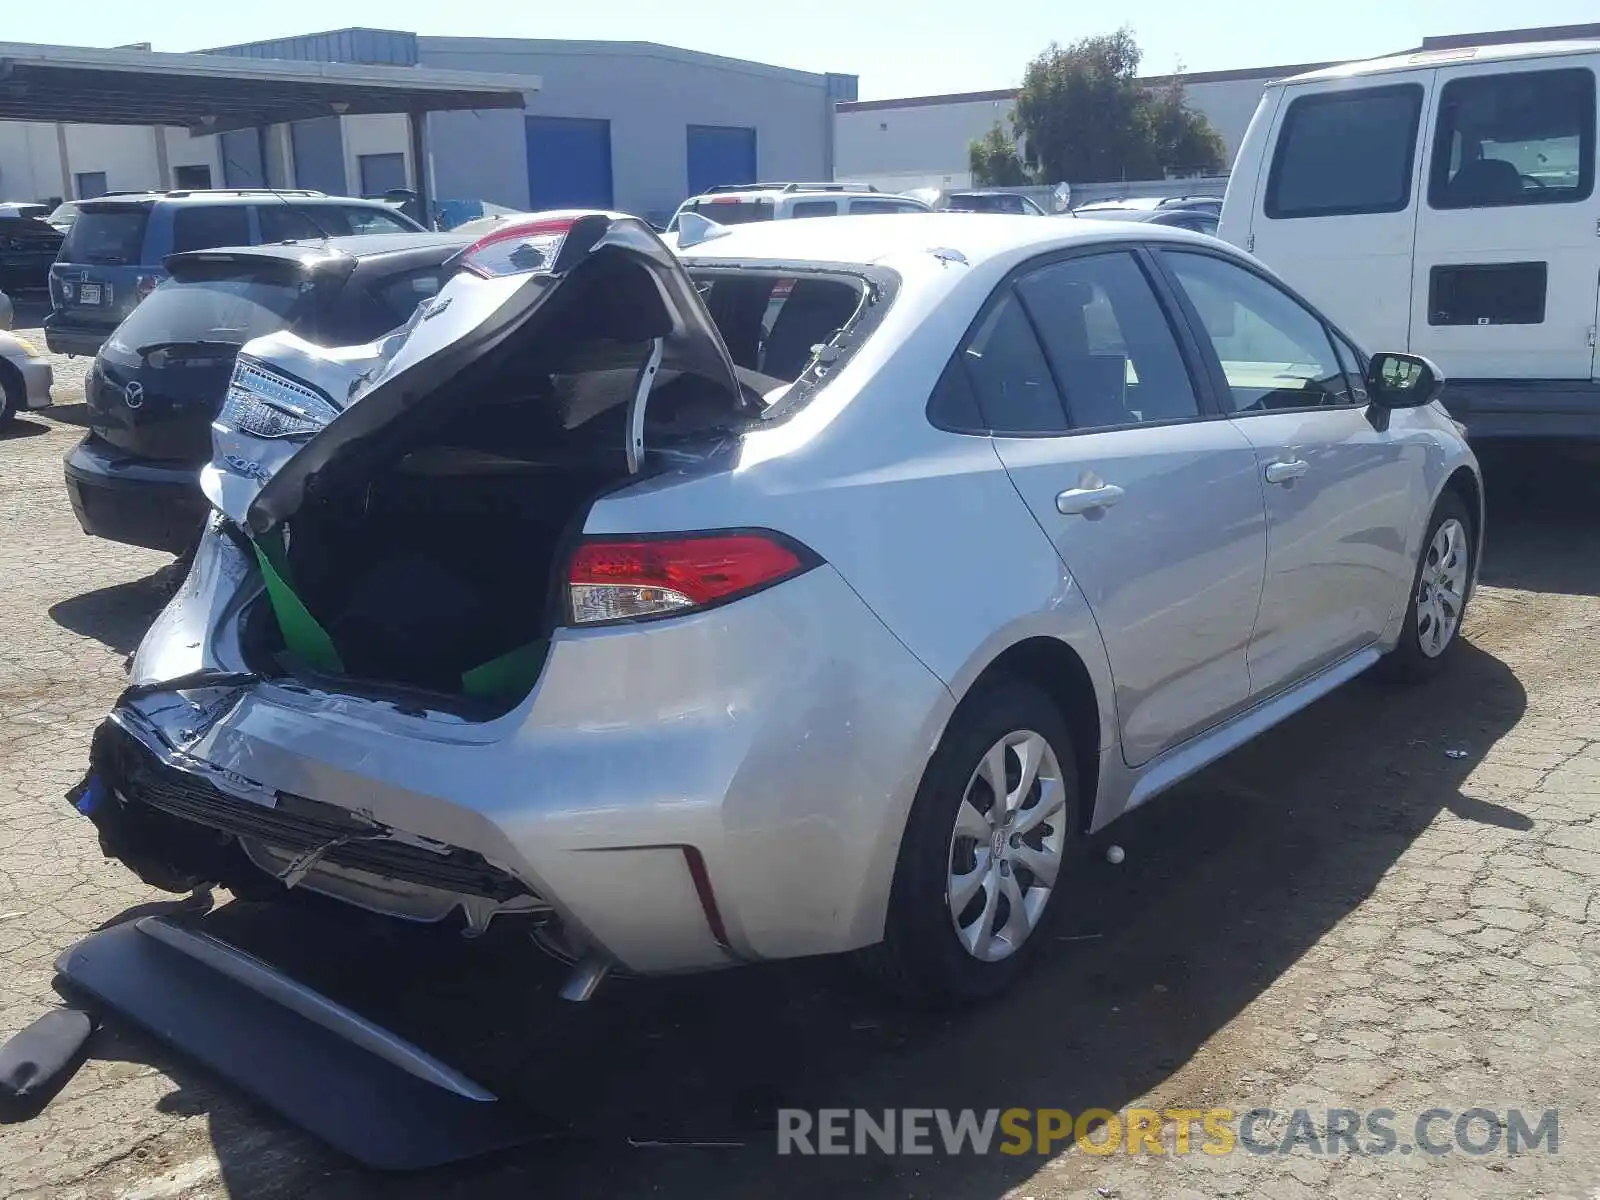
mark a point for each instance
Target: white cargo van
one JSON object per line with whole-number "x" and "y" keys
{"x": 1443, "y": 202}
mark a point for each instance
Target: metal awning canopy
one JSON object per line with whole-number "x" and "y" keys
{"x": 216, "y": 93}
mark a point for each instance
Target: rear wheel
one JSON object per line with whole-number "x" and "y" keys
{"x": 1438, "y": 597}
{"x": 989, "y": 835}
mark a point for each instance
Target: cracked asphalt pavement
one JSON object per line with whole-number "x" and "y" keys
{"x": 1392, "y": 901}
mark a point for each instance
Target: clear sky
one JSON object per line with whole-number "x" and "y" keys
{"x": 897, "y": 49}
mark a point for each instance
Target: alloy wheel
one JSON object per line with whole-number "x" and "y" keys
{"x": 1007, "y": 845}
{"x": 1442, "y": 588}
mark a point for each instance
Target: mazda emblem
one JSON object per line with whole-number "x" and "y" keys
{"x": 133, "y": 394}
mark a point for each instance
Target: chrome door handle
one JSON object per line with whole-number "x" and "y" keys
{"x": 1286, "y": 471}
{"x": 1081, "y": 501}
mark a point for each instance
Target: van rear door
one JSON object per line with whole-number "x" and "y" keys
{"x": 1336, "y": 206}
{"x": 1507, "y": 270}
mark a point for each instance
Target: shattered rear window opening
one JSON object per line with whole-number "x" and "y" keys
{"x": 773, "y": 323}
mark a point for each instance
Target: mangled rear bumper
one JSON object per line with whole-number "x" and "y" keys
{"x": 723, "y": 786}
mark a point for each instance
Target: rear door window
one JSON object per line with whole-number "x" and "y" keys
{"x": 859, "y": 207}
{"x": 1343, "y": 153}
{"x": 114, "y": 237}
{"x": 1009, "y": 375}
{"x": 372, "y": 219}
{"x": 1523, "y": 138}
{"x": 205, "y": 227}
{"x": 727, "y": 211}
{"x": 814, "y": 208}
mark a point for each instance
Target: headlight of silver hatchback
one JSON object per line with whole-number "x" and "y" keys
{"x": 266, "y": 404}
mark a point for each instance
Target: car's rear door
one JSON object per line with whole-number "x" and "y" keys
{"x": 1339, "y": 486}
{"x": 1154, "y": 506}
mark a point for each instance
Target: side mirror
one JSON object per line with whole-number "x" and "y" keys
{"x": 1396, "y": 380}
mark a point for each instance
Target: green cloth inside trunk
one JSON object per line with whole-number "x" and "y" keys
{"x": 303, "y": 635}
{"x": 507, "y": 676}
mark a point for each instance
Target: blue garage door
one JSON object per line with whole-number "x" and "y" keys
{"x": 241, "y": 159}
{"x": 319, "y": 155}
{"x": 569, "y": 163}
{"x": 720, "y": 154}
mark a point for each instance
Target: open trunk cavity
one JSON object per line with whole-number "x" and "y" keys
{"x": 438, "y": 566}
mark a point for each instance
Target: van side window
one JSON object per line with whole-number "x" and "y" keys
{"x": 1342, "y": 153}
{"x": 1523, "y": 138}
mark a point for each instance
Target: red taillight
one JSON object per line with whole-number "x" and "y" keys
{"x": 145, "y": 285}
{"x": 518, "y": 247}
{"x": 622, "y": 579}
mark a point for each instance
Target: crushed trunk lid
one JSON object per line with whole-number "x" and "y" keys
{"x": 295, "y": 410}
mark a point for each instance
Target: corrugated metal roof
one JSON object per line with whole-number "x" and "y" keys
{"x": 376, "y": 47}
{"x": 214, "y": 93}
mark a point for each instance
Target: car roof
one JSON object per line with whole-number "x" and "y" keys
{"x": 865, "y": 240}
{"x": 227, "y": 196}
{"x": 1432, "y": 58}
{"x": 799, "y": 192}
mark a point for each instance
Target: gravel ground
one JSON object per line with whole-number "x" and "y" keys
{"x": 1393, "y": 901}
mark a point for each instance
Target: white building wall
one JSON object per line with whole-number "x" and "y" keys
{"x": 126, "y": 153}
{"x": 30, "y": 164}
{"x": 913, "y": 141}
{"x": 382, "y": 133}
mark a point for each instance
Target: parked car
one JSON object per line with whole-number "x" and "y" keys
{"x": 24, "y": 208}
{"x": 27, "y": 248}
{"x": 158, "y": 381}
{"x": 114, "y": 250}
{"x": 738, "y": 204}
{"x": 1443, "y": 202}
{"x": 1193, "y": 216}
{"x": 991, "y": 202}
{"x": 25, "y": 377}
{"x": 587, "y": 601}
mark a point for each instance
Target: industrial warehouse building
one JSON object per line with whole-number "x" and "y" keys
{"x": 627, "y": 125}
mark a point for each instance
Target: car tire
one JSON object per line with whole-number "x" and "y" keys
{"x": 11, "y": 395}
{"x": 1444, "y": 570}
{"x": 931, "y": 954}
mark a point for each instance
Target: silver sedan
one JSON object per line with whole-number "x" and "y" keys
{"x": 25, "y": 376}
{"x": 798, "y": 588}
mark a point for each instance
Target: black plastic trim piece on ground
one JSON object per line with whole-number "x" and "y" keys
{"x": 359, "y": 1103}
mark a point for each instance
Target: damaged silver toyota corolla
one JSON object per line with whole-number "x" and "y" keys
{"x": 801, "y": 588}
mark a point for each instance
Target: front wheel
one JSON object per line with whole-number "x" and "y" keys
{"x": 1438, "y": 597}
{"x": 985, "y": 845}
{"x": 11, "y": 395}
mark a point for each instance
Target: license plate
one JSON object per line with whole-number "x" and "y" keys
{"x": 89, "y": 293}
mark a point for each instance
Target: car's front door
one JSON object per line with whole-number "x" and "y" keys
{"x": 1338, "y": 487}
{"x": 1155, "y": 512}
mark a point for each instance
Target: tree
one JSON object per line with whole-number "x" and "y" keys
{"x": 1084, "y": 117}
{"x": 993, "y": 160}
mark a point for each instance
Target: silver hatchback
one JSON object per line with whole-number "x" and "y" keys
{"x": 805, "y": 587}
